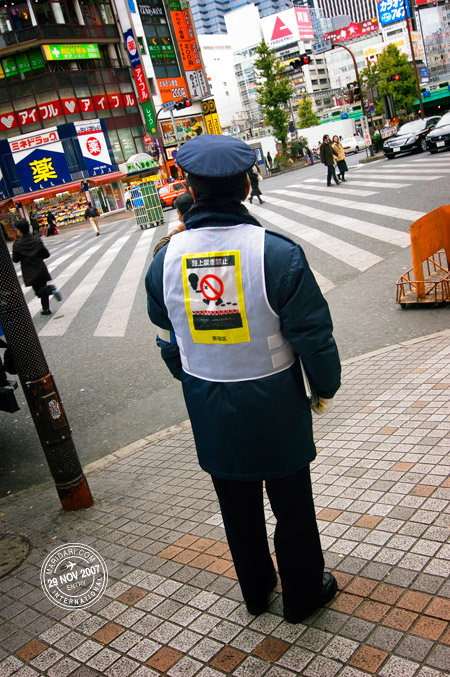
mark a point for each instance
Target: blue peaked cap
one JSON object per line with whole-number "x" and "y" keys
{"x": 213, "y": 156}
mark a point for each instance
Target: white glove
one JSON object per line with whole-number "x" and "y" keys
{"x": 323, "y": 406}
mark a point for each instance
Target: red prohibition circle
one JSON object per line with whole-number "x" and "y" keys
{"x": 214, "y": 292}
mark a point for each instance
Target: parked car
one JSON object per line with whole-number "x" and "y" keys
{"x": 170, "y": 191}
{"x": 353, "y": 144}
{"x": 439, "y": 137}
{"x": 410, "y": 137}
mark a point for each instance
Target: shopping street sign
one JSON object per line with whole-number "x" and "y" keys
{"x": 169, "y": 105}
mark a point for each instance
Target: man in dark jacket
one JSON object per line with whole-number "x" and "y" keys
{"x": 31, "y": 252}
{"x": 327, "y": 154}
{"x": 236, "y": 308}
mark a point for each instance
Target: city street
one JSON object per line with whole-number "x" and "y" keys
{"x": 100, "y": 345}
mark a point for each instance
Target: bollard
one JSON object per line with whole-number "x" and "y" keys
{"x": 40, "y": 390}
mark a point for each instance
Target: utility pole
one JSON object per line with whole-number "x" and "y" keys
{"x": 40, "y": 389}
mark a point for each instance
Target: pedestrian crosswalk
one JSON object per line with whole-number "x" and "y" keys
{"x": 344, "y": 230}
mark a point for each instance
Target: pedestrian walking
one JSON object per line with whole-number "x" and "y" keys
{"x": 30, "y": 252}
{"x": 269, "y": 161}
{"x": 34, "y": 223}
{"x": 127, "y": 196}
{"x": 92, "y": 214}
{"x": 340, "y": 158}
{"x": 327, "y": 155}
{"x": 254, "y": 176}
{"x": 52, "y": 228}
{"x": 236, "y": 307}
{"x": 309, "y": 155}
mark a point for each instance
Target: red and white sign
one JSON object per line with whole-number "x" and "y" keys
{"x": 211, "y": 287}
{"x": 57, "y": 108}
{"x": 33, "y": 140}
{"x": 141, "y": 84}
{"x": 286, "y": 27}
{"x": 93, "y": 144}
{"x": 304, "y": 23}
{"x": 353, "y": 30}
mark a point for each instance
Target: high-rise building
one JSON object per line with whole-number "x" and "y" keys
{"x": 358, "y": 10}
{"x": 209, "y": 15}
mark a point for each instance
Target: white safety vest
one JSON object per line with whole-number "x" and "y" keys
{"x": 215, "y": 294}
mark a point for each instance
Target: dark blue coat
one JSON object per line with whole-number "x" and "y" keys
{"x": 258, "y": 429}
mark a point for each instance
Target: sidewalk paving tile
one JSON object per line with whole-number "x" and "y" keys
{"x": 173, "y": 604}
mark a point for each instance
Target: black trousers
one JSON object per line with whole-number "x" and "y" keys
{"x": 331, "y": 174}
{"x": 296, "y": 539}
{"x": 43, "y": 291}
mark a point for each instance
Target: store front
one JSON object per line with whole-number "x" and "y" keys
{"x": 106, "y": 193}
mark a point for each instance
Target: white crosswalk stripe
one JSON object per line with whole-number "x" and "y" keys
{"x": 372, "y": 207}
{"x": 433, "y": 162}
{"x": 431, "y": 169}
{"x": 344, "y": 190}
{"x": 347, "y": 253}
{"x": 369, "y": 184}
{"x": 349, "y": 223}
{"x": 117, "y": 313}
{"x": 393, "y": 172}
{"x": 70, "y": 308}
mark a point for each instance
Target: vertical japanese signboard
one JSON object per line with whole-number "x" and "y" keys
{"x": 93, "y": 147}
{"x": 189, "y": 50}
{"x": 141, "y": 83}
{"x": 39, "y": 159}
{"x": 211, "y": 117}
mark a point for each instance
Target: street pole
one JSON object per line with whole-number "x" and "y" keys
{"x": 40, "y": 389}
{"x": 161, "y": 142}
{"x": 363, "y": 108}
{"x": 416, "y": 74}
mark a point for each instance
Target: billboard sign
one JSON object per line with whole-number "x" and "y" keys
{"x": 288, "y": 26}
{"x": 390, "y": 11}
{"x": 93, "y": 147}
{"x": 40, "y": 160}
{"x": 353, "y": 30}
{"x": 71, "y": 52}
{"x": 172, "y": 89}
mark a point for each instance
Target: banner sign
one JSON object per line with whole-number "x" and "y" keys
{"x": 353, "y": 30}
{"x": 190, "y": 53}
{"x": 288, "y": 26}
{"x": 390, "y": 11}
{"x": 59, "y": 107}
{"x": 187, "y": 128}
{"x": 40, "y": 160}
{"x": 71, "y": 52}
{"x": 93, "y": 147}
{"x": 304, "y": 23}
{"x": 211, "y": 117}
{"x": 139, "y": 77}
{"x": 172, "y": 89}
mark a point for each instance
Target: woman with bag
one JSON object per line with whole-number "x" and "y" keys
{"x": 340, "y": 158}
{"x": 254, "y": 176}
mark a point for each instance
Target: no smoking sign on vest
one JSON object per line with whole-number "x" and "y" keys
{"x": 214, "y": 297}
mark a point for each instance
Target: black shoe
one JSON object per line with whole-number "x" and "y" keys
{"x": 56, "y": 294}
{"x": 97, "y": 233}
{"x": 46, "y": 312}
{"x": 259, "y": 606}
{"x": 345, "y": 180}
{"x": 329, "y": 184}
{"x": 261, "y": 202}
{"x": 250, "y": 201}
{"x": 329, "y": 589}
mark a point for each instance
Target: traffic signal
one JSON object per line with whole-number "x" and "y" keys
{"x": 391, "y": 78}
{"x": 184, "y": 103}
{"x": 356, "y": 94}
{"x": 305, "y": 60}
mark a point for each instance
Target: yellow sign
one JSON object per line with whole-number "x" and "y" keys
{"x": 211, "y": 118}
{"x": 43, "y": 170}
{"x": 214, "y": 297}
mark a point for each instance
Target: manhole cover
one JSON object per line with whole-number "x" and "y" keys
{"x": 14, "y": 549}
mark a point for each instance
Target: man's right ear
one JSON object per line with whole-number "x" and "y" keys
{"x": 193, "y": 193}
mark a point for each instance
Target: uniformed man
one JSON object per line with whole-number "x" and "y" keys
{"x": 236, "y": 308}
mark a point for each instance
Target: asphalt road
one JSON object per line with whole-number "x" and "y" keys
{"x": 116, "y": 389}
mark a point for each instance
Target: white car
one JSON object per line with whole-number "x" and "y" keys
{"x": 353, "y": 144}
